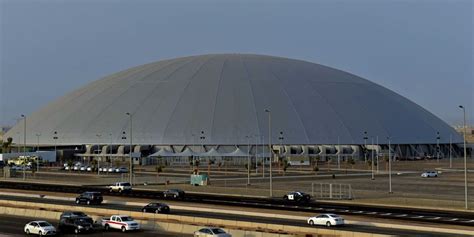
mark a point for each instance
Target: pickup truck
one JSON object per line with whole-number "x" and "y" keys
{"x": 120, "y": 222}
{"x": 120, "y": 187}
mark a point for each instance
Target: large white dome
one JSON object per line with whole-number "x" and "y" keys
{"x": 225, "y": 96}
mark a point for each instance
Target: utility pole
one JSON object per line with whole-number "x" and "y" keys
{"x": 37, "y": 150}
{"x": 248, "y": 160}
{"x": 55, "y": 138}
{"x": 365, "y": 146}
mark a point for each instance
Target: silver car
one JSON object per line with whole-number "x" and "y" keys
{"x": 211, "y": 232}
{"x": 429, "y": 174}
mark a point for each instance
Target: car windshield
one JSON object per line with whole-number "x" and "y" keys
{"x": 44, "y": 224}
{"x": 81, "y": 221}
{"x": 217, "y": 231}
{"x": 126, "y": 218}
{"x": 126, "y": 184}
{"x": 334, "y": 216}
{"x": 78, "y": 213}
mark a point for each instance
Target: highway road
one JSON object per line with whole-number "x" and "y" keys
{"x": 12, "y": 226}
{"x": 358, "y": 228}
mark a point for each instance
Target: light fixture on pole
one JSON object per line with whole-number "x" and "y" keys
{"x": 55, "y": 138}
{"x": 365, "y": 146}
{"x": 465, "y": 158}
{"x": 24, "y": 144}
{"x": 270, "y": 148}
{"x": 372, "y": 155}
{"x": 437, "y": 147}
{"x": 389, "y": 167}
{"x": 248, "y": 160}
{"x": 37, "y": 150}
{"x": 131, "y": 150}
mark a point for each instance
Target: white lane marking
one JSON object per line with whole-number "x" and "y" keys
{"x": 402, "y": 215}
{"x": 417, "y": 216}
{"x": 386, "y": 214}
{"x": 469, "y": 221}
{"x": 436, "y": 218}
{"x": 372, "y": 213}
{"x": 454, "y": 219}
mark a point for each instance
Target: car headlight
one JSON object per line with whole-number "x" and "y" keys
{"x": 80, "y": 227}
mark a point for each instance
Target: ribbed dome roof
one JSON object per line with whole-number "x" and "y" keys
{"x": 225, "y": 96}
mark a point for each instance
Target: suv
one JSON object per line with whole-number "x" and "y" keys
{"x": 174, "y": 193}
{"x": 297, "y": 197}
{"x": 76, "y": 224}
{"x": 120, "y": 187}
{"x": 90, "y": 198}
{"x": 429, "y": 174}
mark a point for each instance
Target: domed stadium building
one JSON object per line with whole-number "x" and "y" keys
{"x": 234, "y": 105}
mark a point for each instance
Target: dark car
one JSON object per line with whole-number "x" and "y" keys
{"x": 297, "y": 197}
{"x": 75, "y": 224}
{"x": 173, "y": 193}
{"x": 90, "y": 198}
{"x": 156, "y": 208}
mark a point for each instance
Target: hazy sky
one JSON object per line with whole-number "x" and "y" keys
{"x": 422, "y": 50}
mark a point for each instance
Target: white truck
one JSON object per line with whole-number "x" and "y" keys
{"x": 120, "y": 222}
{"x": 120, "y": 187}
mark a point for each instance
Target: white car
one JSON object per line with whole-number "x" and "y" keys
{"x": 89, "y": 169}
{"x": 429, "y": 174}
{"x": 326, "y": 219}
{"x": 111, "y": 169}
{"x": 40, "y": 228}
{"x": 83, "y": 168}
{"x": 76, "y": 168}
{"x": 211, "y": 232}
{"x": 67, "y": 168}
{"x": 121, "y": 222}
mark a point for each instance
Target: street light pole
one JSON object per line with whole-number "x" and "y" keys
{"x": 37, "y": 150}
{"x": 372, "y": 155}
{"x": 55, "y": 138}
{"x": 450, "y": 150}
{"x": 98, "y": 158}
{"x": 24, "y": 143}
{"x": 131, "y": 161}
{"x": 365, "y": 147}
{"x": 248, "y": 160}
{"x": 437, "y": 147}
{"x": 465, "y": 158}
{"x": 338, "y": 154}
{"x": 270, "y": 148}
{"x": 389, "y": 167}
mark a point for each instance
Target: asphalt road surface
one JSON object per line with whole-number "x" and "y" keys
{"x": 13, "y": 226}
{"x": 358, "y": 228}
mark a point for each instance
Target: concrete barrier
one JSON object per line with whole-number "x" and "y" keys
{"x": 159, "y": 222}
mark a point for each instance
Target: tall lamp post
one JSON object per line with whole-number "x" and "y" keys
{"x": 24, "y": 143}
{"x": 131, "y": 161}
{"x": 270, "y": 148}
{"x": 465, "y": 157}
{"x": 248, "y": 160}
{"x": 389, "y": 167}
{"x": 280, "y": 138}
{"x": 98, "y": 150}
{"x": 437, "y": 147}
{"x": 55, "y": 138}
{"x": 202, "y": 137}
{"x": 372, "y": 155}
{"x": 365, "y": 146}
{"x": 37, "y": 149}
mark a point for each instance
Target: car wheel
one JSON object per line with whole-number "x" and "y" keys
{"x": 175, "y": 196}
{"x": 27, "y": 231}
{"x": 123, "y": 229}
{"x": 106, "y": 227}
{"x": 40, "y": 233}
{"x": 120, "y": 190}
{"x": 144, "y": 210}
{"x": 311, "y": 222}
{"x": 111, "y": 190}
{"x": 157, "y": 211}
{"x": 328, "y": 224}
{"x": 77, "y": 201}
{"x": 285, "y": 197}
{"x": 76, "y": 231}
{"x": 88, "y": 202}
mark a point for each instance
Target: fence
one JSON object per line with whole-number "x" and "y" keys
{"x": 331, "y": 191}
